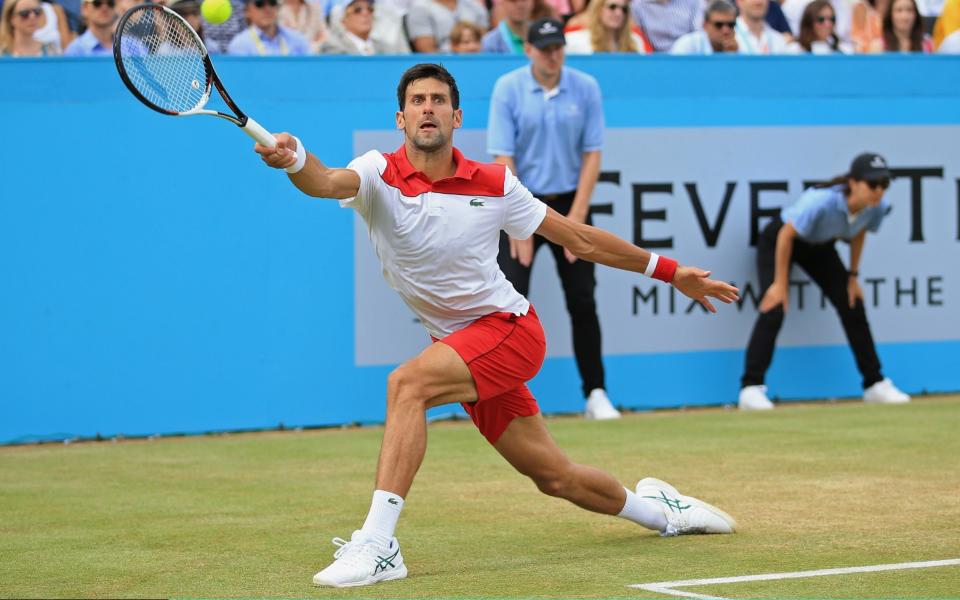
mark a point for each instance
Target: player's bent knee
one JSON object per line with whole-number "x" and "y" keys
{"x": 405, "y": 387}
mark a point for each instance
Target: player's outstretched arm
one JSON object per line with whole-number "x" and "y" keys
{"x": 602, "y": 247}
{"x": 314, "y": 179}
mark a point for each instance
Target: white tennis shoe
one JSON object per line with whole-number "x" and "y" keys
{"x": 884, "y": 392}
{"x": 362, "y": 562}
{"x": 685, "y": 515}
{"x": 754, "y": 397}
{"x": 599, "y": 406}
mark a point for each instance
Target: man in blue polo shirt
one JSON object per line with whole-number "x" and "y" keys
{"x": 546, "y": 125}
{"x": 265, "y": 36}
{"x": 100, "y": 17}
{"x": 843, "y": 209}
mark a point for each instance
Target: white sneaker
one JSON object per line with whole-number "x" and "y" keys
{"x": 599, "y": 407}
{"x": 884, "y": 392}
{"x": 362, "y": 562}
{"x": 685, "y": 515}
{"x": 754, "y": 397}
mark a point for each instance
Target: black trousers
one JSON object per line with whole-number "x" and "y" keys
{"x": 578, "y": 283}
{"x": 823, "y": 265}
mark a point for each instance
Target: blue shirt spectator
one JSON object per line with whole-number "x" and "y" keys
{"x": 97, "y": 40}
{"x": 253, "y": 41}
{"x": 265, "y": 36}
{"x": 546, "y": 132}
{"x": 821, "y": 215}
{"x": 501, "y": 40}
{"x": 508, "y": 36}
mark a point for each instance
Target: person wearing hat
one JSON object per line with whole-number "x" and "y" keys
{"x": 546, "y": 125}
{"x": 844, "y": 208}
{"x": 354, "y": 37}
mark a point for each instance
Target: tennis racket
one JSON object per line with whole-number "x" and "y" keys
{"x": 162, "y": 60}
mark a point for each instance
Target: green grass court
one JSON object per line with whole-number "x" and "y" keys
{"x": 813, "y": 486}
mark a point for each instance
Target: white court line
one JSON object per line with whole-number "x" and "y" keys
{"x": 666, "y": 587}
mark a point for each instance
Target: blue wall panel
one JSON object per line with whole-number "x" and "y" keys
{"x": 156, "y": 279}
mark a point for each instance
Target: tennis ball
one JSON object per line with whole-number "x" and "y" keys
{"x": 215, "y": 11}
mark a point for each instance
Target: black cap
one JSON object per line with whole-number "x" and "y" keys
{"x": 869, "y": 167}
{"x": 546, "y": 32}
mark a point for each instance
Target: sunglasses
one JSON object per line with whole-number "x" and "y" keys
{"x": 360, "y": 8}
{"x": 25, "y": 13}
{"x": 724, "y": 24}
{"x": 825, "y": 19}
{"x": 263, "y": 3}
{"x": 101, "y": 3}
{"x": 621, "y": 7}
{"x": 879, "y": 183}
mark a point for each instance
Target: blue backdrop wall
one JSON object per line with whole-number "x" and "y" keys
{"x": 156, "y": 278}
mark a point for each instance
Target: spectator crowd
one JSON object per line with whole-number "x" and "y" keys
{"x": 31, "y": 28}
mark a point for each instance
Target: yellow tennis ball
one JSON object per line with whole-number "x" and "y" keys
{"x": 215, "y": 11}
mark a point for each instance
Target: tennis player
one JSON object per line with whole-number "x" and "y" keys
{"x": 435, "y": 218}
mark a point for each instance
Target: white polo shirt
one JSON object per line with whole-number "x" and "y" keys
{"x": 438, "y": 241}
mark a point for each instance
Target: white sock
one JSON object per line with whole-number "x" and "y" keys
{"x": 644, "y": 512}
{"x": 382, "y": 519}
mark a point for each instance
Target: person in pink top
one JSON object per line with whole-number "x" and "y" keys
{"x": 434, "y": 218}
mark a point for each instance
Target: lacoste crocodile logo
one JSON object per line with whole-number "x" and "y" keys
{"x": 476, "y": 202}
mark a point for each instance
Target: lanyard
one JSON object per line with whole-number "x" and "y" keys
{"x": 261, "y": 49}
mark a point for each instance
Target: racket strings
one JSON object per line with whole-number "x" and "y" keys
{"x": 164, "y": 60}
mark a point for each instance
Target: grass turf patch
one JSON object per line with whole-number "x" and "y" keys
{"x": 813, "y": 486}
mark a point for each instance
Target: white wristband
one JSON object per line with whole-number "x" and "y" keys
{"x": 652, "y": 265}
{"x": 301, "y": 158}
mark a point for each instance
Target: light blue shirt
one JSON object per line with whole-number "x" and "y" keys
{"x": 88, "y": 45}
{"x": 546, "y": 133}
{"x": 695, "y": 42}
{"x": 821, "y": 215}
{"x": 253, "y": 42}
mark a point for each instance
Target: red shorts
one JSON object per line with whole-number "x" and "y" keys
{"x": 503, "y": 351}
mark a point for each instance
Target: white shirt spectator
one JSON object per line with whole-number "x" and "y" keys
{"x": 819, "y": 47}
{"x": 387, "y": 34}
{"x": 693, "y": 43}
{"x": 770, "y": 41}
{"x": 427, "y": 18}
{"x": 578, "y": 42}
{"x": 50, "y": 32}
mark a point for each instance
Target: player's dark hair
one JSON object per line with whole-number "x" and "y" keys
{"x": 427, "y": 71}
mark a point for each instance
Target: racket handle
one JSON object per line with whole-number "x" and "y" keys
{"x": 254, "y": 130}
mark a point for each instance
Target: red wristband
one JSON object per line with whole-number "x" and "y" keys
{"x": 666, "y": 268}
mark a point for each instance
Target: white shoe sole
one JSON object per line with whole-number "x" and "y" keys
{"x": 887, "y": 400}
{"x": 605, "y": 417}
{"x": 658, "y": 483}
{"x": 400, "y": 573}
{"x": 748, "y": 406}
